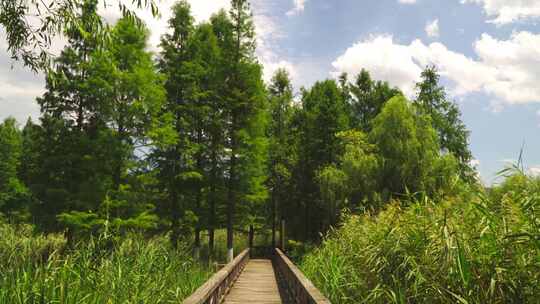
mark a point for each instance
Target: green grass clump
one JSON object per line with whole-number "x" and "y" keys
{"x": 474, "y": 248}
{"x": 40, "y": 269}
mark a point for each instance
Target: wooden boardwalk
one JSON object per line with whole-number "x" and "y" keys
{"x": 256, "y": 285}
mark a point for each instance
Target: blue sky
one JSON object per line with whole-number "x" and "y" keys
{"x": 488, "y": 52}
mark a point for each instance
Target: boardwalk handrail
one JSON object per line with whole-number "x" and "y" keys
{"x": 299, "y": 288}
{"x": 218, "y": 285}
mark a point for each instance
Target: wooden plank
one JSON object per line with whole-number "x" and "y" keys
{"x": 256, "y": 285}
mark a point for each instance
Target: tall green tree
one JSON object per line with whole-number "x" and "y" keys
{"x": 208, "y": 130}
{"x": 281, "y": 152}
{"x": 75, "y": 145}
{"x": 137, "y": 93}
{"x": 70, "y": 94}
{"x": 176, "y": 161}
{"x": 408, "y": 150}
{"x": 323, "y": 116}
{"x": 445, "y": 118}
{"x": 245, "y": 106}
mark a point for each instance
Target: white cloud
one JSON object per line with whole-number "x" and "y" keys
{"x": 299, "y": 6}
{"x": 407, "y": 1}
{"x": 385, "y": 59}
{"x": 506, "y": 70}
{"x": 269, "y": 33}
{"x": 432, "y": 28}
{"x": 18, "y": 88}
{"x": 534, "y": 171}
{"x": 508, "y": 11}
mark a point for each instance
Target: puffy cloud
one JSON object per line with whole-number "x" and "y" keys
{"x": 515, "y": 64}
{"x": 299, "y": 6}
{"x": 507, "y": 70}
{"x": 508, "y": 11}
{"x": 385, "y": 59}
{"x": 407, "y": 1}
{"x": 432, "y": 28}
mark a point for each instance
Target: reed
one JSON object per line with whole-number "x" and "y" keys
{"x": 133, "y": 269}
{"x": 477, "y": 247}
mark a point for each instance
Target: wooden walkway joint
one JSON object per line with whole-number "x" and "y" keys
{"x": 258, "y": 281}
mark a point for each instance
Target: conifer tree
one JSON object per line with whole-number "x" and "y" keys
{"x": 324, "y": 115}
{"x": 280, "y": 148}
{"x": 446, "y": 120}
{"x": 245, "y": 107}
{"x": 75, "y": 145}
{"x": 176, "y": 161}
{"x": 369, "y": 97}
{"x": 137, "y": 94}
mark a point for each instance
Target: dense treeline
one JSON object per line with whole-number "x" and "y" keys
{"x": 191, "y": 140}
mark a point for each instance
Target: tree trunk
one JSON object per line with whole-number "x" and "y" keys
{"x": 175, "y": 212}
{"x": 212, "y": 203}
{"x": 231, "y": 196}
{"x": 273, "y": 218}
{"x": 197, "y": 245}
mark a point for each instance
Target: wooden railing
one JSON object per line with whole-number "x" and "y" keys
{"x": 297, "y": 287}
{"x": 218, "y": 285}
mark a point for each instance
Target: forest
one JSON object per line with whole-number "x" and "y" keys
{"x": 144, "y": 169}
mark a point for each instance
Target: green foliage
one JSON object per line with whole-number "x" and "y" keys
{"x": 354, "y": 182}
{"x": 39, "y": 269}
{"x": 29, "y": 40}
{"x": 322, "y": 116}
{"x": 14, "y": 195}
{"x": 408, "y": 150}
{"x": 471, "y": 248}
{"x": 368, "y": 99}
{"x": 445, "y": 119}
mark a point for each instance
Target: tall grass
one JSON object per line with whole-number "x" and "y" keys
{"x": 39, "y": 269}
{"x": 474, "y": 248}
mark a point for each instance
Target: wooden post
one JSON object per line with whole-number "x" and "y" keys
{"x": 282, "y": 234}
{"x": 251, "y": 233}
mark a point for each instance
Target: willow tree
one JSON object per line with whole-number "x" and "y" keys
{"x": 409, "y": 151}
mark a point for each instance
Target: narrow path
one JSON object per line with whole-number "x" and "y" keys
{"x": 257, "y": 284}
